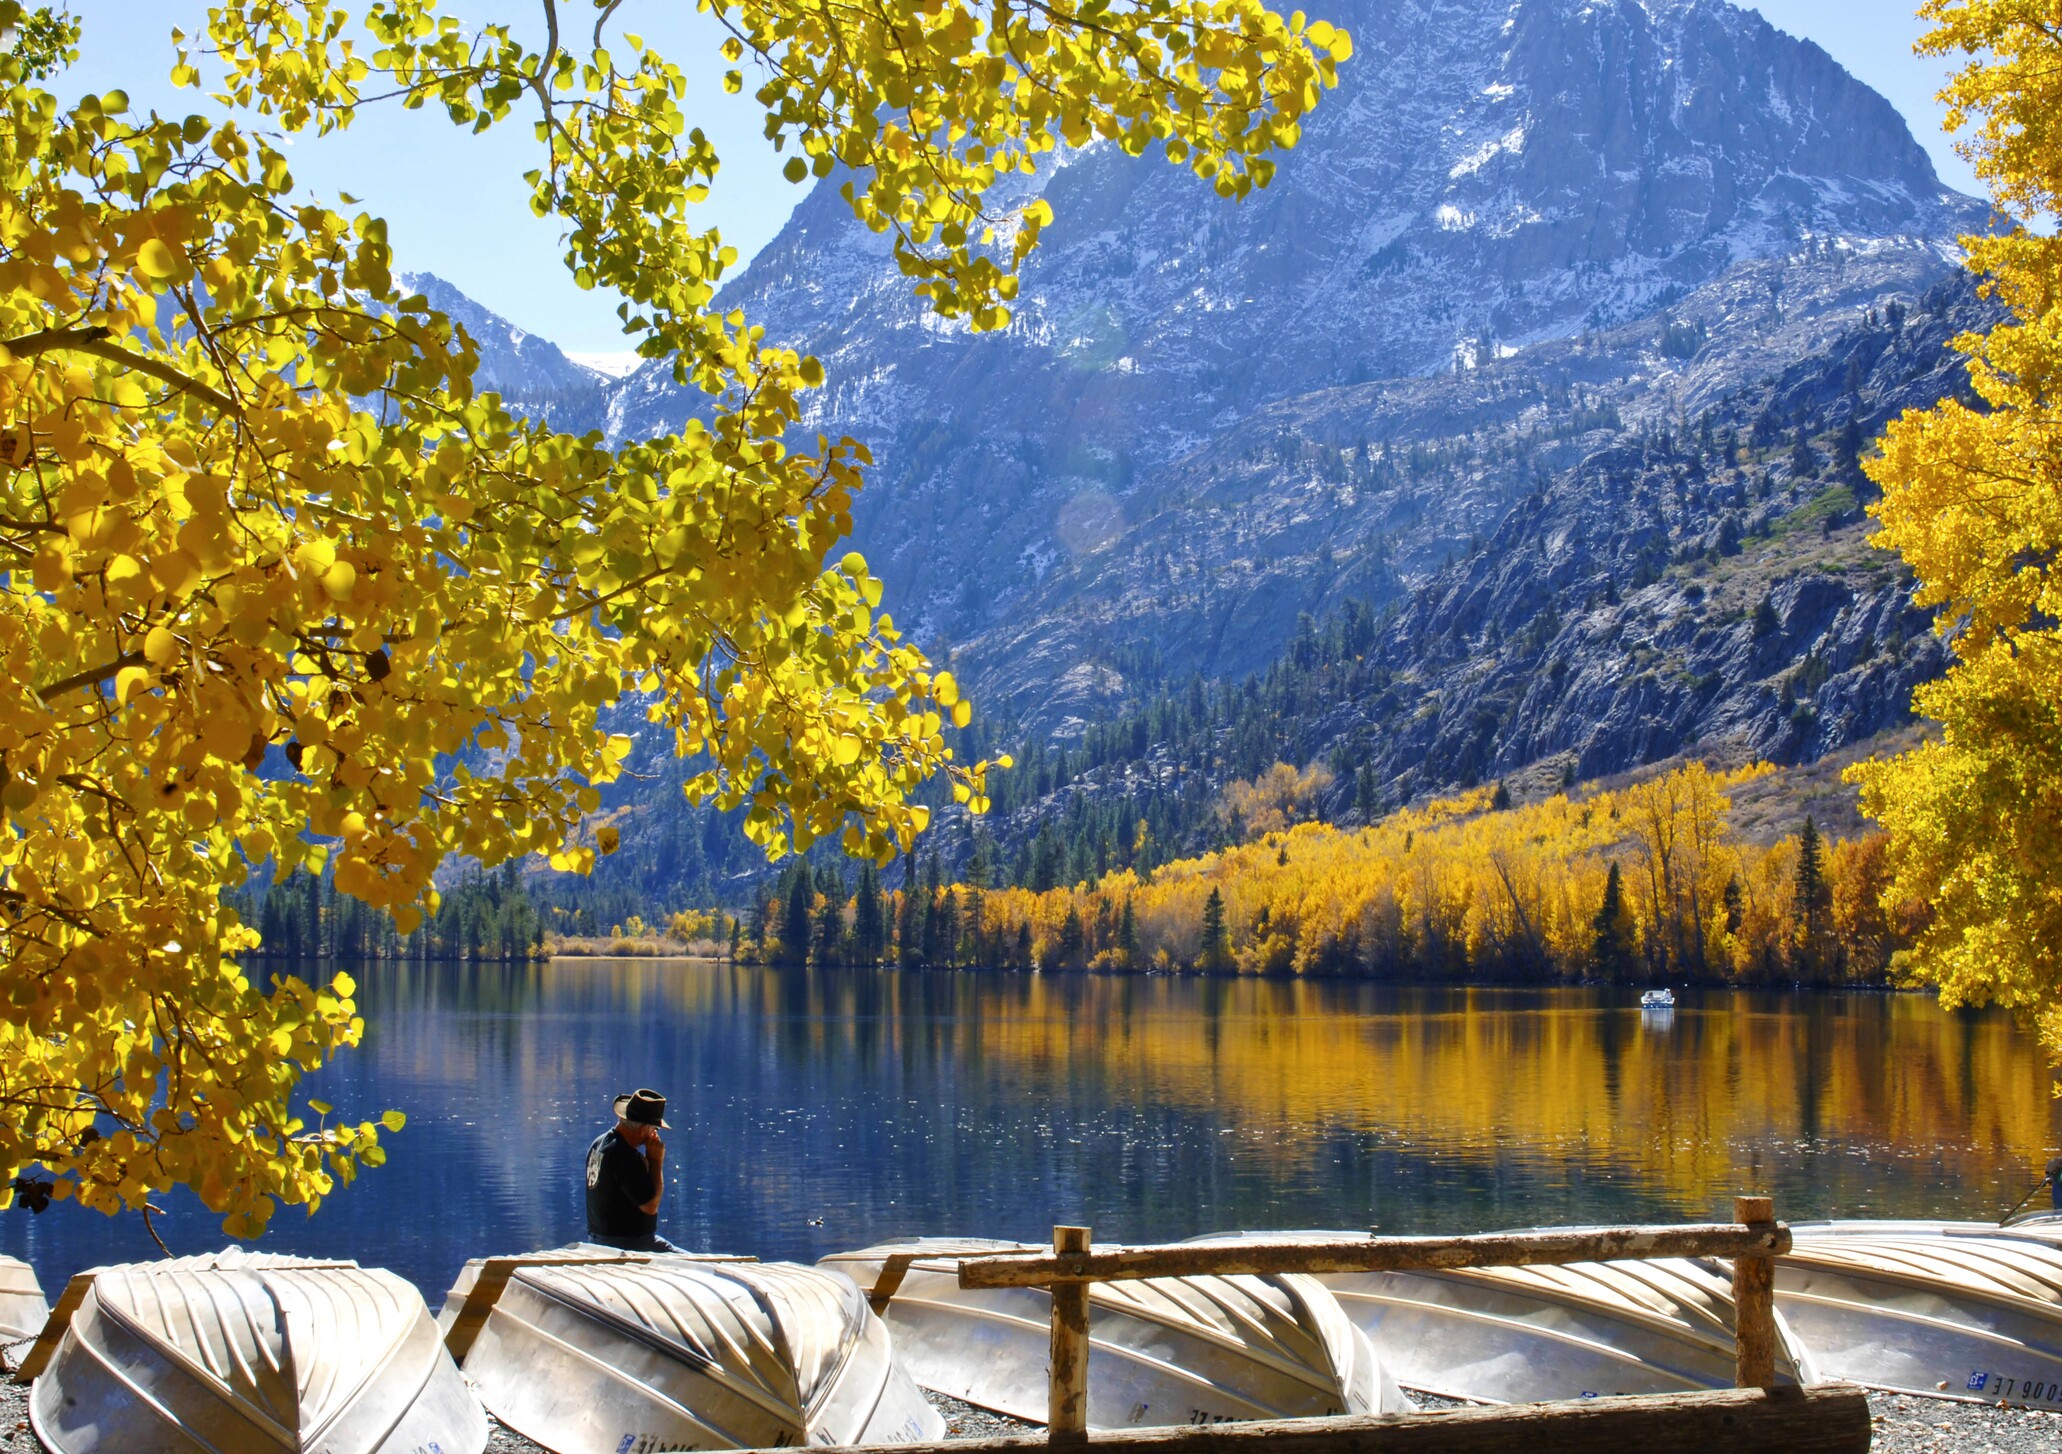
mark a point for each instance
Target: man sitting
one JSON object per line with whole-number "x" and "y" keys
{"x": 626, "y": 1176}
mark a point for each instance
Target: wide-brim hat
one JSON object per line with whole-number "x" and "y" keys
{"x": 643, "y": 1108}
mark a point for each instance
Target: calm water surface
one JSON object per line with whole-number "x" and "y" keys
{"x": 825, "y": 1110}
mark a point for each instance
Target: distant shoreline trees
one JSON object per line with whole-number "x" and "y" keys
{"x": 1644, "y": 884}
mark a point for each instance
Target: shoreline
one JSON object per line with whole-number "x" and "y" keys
{"x": 1900, "y": 1424}
{"x": 1218, "y": 976}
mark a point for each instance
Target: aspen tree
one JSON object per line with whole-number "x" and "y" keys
{"x": 1972, "y": 498}
{"x": 283, "y": 587}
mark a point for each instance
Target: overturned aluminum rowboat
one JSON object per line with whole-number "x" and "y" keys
{"x": 236, "y": 1352}
{"x": 592, "y": 1351}
{"x": 1942, "y": 1313}
{"x": 22, "y": 1308}
{"x": 1523, "y": 1334}
{"x": 1163, "y": 1350}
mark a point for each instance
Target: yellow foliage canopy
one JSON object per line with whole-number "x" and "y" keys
{"x": 1453, "y": 890}
{"x": 1973, "y": 500}
{"x": 253, "y": 501}
{"x": 1279, "y": 798}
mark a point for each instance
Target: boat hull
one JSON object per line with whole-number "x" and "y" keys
{"x": 1523, "y": 1334}
{"x": 22, "y": 1305}
{"x": 1942, "y": 1313}
{"x": 234, "y": 1353}
{"x": 1519, "y": 1335}
{"x": 1162, "y": 1351}
{"x": 679, "y": 1353}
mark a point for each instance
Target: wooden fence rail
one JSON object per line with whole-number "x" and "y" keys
{"x": 1753, "y": 1240}
{"x": 1833, "y": 1419}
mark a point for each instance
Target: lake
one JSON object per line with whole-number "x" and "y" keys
{"x": 819, "y": 1110}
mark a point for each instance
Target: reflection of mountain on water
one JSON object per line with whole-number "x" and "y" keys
{"x": 1152, "y": 1107}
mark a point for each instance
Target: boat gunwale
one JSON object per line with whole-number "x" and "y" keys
{"x": 1917, "y": 1281}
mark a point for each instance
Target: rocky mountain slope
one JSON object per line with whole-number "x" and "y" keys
{"x": 1702, "y": 588}
{"x": 530, "y": 372}
{"x": 1513, "y": 221}
{"x": 1511, "y": 433}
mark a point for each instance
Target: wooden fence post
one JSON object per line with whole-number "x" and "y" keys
{"x": 1754, "y": 1301}
{"x": 1066, "y": 1402}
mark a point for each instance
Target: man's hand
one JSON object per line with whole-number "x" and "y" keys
{"x": 655, "y": 1163}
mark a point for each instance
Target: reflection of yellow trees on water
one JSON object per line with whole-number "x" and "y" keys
{"x": 1684, "y": 1104}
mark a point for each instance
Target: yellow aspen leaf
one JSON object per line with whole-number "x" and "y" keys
{"x": 160, "y": 646}
{"x": 159, "y": 262}
{"x": 340, "y": 580}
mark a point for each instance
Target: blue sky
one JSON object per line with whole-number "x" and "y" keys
{"x": 456, "y": 204}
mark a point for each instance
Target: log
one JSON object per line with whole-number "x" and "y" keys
{"x": 1377, "y": 1254}
{"x": 1754, "y": 1302}
{"x": 1066, "y": 1395}
{"x": 1827, "y": 1419}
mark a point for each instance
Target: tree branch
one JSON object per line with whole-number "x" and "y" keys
{"x": 162, "y": 372}
{"x": 91, "y": 677}
{"x": 31, "y": 344}
{"x": 94, "y": 340}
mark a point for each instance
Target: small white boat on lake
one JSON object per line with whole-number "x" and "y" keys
{"x": 1661, "y": 999}
{"x": 1520, "y": 1334}
{"x": 1165, "y": 1350}
{"x": 239, "y": 1352}
{"x": 1945, "y": 1310}
{"x": 591, "y": 1351}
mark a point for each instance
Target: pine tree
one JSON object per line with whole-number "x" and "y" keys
{"x": 946, "y": 922}
{"x": 1047, "y": 860}
{"x": 1068, "y": 953}
{"x": 971, "y": 948}
{"x": 1612, "y": 955}
{"x": 1812, "y": 903}
{"x": 794, "y": 926}
{"x": 1127, "y": 935}
{"x": 909, "y": 925}
{"x": 869, "y": 932}
{"x": 1214, "y": 954}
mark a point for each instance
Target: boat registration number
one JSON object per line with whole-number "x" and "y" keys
{"x": 2008, "y": 1389}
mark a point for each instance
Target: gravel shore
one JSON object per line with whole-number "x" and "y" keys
{"x": 1904, "y": 1425}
